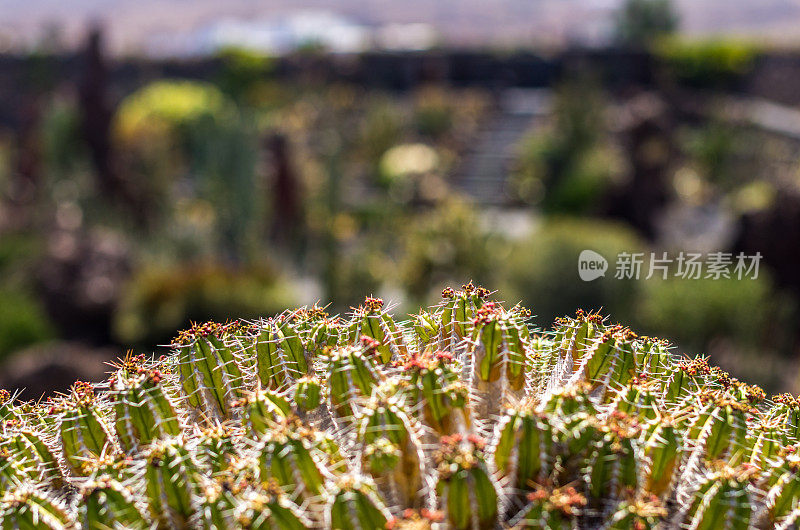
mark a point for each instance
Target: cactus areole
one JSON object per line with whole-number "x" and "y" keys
{"x": 462, "y": 417}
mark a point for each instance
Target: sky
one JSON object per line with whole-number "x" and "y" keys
{"x": 133, "y": 24}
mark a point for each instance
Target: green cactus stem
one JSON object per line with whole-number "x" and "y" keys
{"x": 462, "y": 416}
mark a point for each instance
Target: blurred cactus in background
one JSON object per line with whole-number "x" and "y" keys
{"x": 243, "y": 73}
{"x": 462, "y": 417}
{"x": 569, "y": 167}
{"x": 187, "y": 145}
{"x": 640, "y": 23}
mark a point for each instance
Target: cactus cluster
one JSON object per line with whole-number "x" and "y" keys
{"x": 462, "y": 416}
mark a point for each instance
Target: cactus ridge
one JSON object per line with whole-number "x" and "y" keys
{"x": 462, "y": 416}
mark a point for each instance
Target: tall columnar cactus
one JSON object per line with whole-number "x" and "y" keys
{"x": 461, "y": 417}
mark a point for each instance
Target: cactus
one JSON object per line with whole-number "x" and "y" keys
{"x": 143, "y": 411}
{"x": 108, "y": 500}
{"x": 462, "y": 416}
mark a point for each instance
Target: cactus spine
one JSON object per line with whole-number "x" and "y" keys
{"x": 461, "y": 417}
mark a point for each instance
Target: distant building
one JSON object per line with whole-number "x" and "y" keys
{"x": 409, "y": 37}
{"x": 285, "y": 33}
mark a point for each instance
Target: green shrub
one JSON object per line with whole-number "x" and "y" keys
{"x": 383, "y": 127}
{"x": 433, "y": 112}
{"x": 158, "y": 300}
{"x": 23, "y": 322}
{"x": 712, "y": 148}
{"x": 63, "y": 150}
{"x": 707, "y": 64}
{"x": 17, "y": 250}
{"x": 694, "y": 312}
{"x": 439, "y": 245}
{"x": 157, "y": 130}
{"x": 541, "y": 271}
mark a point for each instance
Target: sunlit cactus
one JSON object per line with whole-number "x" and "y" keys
{"x": 392, "y": 450}
{"x": 307, "y": 394}
{"x": 279, "y": 354}
{"x": 783, "y": 494}
{"x": 662, "y": 454}
{"x": 613, "y": 462}
{"x": 24, "y": 453}
{"x": 261, "y": 409}
{"x": 722, "y": 499}
{"x": 547, "y": 508}
{"x": 108, "y": 500}
{"x": 433, "y": 383}
{"x": 209, "y": 371}
{"x": 463, "y": 416}
{"x": 496, "y": 355}
{"x": 468, "y": 494}
{"x": 290, "y": 455}
{"x": 352, "y": 374}
{"x": 216, "y": 450}
{"x": 142, "y": 410}
{"x": 82, "y": 428}
{"x": 32, "y": 509}
{"x": 640, "y": 514}
{"x": 171, "y": 480}
{"x": 6, "y": 405}
{"x": 353, "y": 505}
{"x": 373, "y": 321}
{"x": 265, "y": 510}
{"x": 523, "y": 448}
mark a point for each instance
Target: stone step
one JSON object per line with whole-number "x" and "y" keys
{"x": 484, "y": 171}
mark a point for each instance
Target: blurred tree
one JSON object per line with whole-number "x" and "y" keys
{"x": 694, "y": 312}
{"x": 242, "y": 72}
{"x": 568, "y": 167}
{"x": 383, "y": 127}
{"x": 714, "y": 148}
{"x": 288, "y": 221}
{"x": 646, "y": 134}
{"x": 24, "y": 185}
{"x": 158, "y": 300}
{"x": 96, "y": 115}
{"x": 433, "y": 112}
{"x": 444, "y": 246}
{"x": 640, "y": 23}
{"x": 718, "y": 64}
{"x": 22, "y": 322}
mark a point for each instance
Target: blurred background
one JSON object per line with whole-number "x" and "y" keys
{"x": 163, "y": 162}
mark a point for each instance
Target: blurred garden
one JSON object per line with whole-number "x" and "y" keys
{"x": 126, "y": 216}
